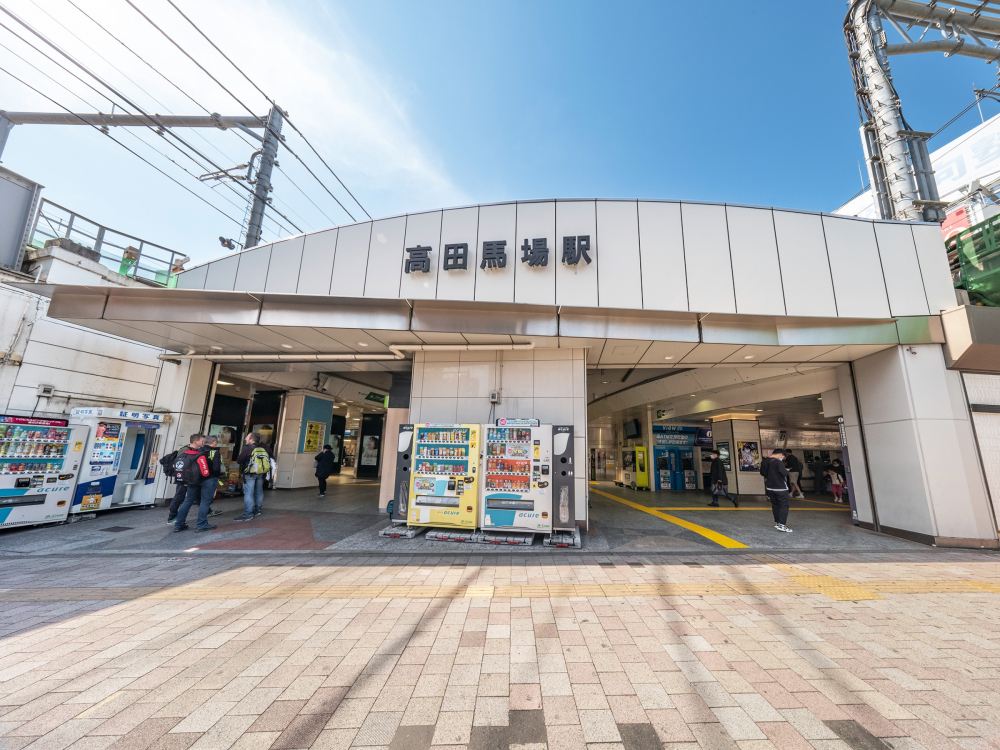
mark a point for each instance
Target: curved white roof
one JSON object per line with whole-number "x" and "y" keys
{"x": 645, "y": 255}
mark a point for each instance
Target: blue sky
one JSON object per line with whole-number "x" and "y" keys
{"x": 424, "y": 105}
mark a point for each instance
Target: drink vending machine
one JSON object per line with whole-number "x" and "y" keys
{"x": 517, "y": 476}
{"x": 39, "y": 466}
{"x": 443, "y": 466}
{"x": 119, "y": 464}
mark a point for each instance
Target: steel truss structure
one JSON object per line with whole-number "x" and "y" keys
{"x": 898, "y": 161}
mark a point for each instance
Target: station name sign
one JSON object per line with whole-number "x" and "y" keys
{"x": 494, "y": 255}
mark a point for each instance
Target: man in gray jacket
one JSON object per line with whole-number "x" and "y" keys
{"x": 775, "y": 476}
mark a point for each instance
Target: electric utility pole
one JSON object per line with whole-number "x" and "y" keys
{"x": 262, "y": 182}
{"x": 267, "y": 153}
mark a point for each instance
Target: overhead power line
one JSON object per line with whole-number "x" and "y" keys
{"x": 284, "y": 114}
{"x": 138, "y": 156}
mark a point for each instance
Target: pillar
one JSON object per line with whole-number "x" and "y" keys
{"x": 396, "y": 414}
{"x": 926, "y": 479}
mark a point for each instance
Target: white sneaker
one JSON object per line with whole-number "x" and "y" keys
{"x": 782, "y": 527}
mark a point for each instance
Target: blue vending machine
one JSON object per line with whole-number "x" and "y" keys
{"x": 673, "y": 455}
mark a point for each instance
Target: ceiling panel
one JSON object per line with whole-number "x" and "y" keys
{"x": 753, "y": 353}
{"x": 709, "y": 354}
{"x": 304, "y": 337}
{"x": 800, "y": 353}
{"x": 661, "y": 353}
{"x": 623, "y": 351}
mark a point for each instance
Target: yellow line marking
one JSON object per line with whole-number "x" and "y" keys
{"x": 835, "y": 588}
{"x": 714, "y": 536}
{"x": 768, "y": 508}
{"x": 98, "y": 705}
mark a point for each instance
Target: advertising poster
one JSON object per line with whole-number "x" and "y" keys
{"x": 369, "y": 451}
{"x": 749, "y": 455}
{"x": 628, "y": 461}
{"x": 107, "y": 441}
{"x": 315, "y": 432}
{"x": 92, "y": 498}
{"x": 723, "y": 449}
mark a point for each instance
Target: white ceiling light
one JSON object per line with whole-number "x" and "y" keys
{"x": 670, "y": 357}
{"x": 605, "y": 381}
{"x": 748, "y": 356}
{"x": 805, "y": 424}
{"x": 760, "y": 410}
{"x": 222, "y": 382}
{"x": 694, "y": 395}
{"x": 286, "y": 346}
{"x": 362, "y": 343}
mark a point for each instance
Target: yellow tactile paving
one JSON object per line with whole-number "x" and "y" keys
{"x": 797, "y": 583}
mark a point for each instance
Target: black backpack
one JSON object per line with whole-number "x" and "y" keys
{"x": 168, "y": 460}
{"x": 186, "y": 469}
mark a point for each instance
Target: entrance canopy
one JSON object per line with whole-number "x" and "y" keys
{"x": 637, "y": 283}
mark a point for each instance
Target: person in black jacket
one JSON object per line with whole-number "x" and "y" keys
{"x": 324, "y": 468}
{"x": 720, "y": 481}
{"x": 794, "y": 467}
{"x": 775, "y": 476}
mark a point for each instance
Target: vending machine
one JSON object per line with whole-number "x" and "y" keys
{"x": 517, "y": 476}
{"x": 39, "y": 465}
{"x": 635, "y": 472}
{"x": 443, "y": 475}
{"x": 119, "y": 464}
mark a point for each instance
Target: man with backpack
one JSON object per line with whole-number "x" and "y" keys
{"x": 180, "y": 489}
{"x": 194, "y": 469}
{"x": 214, "y": 466}
{"x": 255, "y": 462}
{"x": 775, "y": 476}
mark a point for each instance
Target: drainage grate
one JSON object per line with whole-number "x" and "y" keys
{"x": 116, "y": 529}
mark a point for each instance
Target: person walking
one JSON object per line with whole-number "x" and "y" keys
{"x": 720, "y": 481}
{"x": 255, "y": 462}
{"x": 180, "y": 489}
{"x": 214, "y": 467}
{"x": 775, "y": 476}
{"x": 794, "y": 467}
{"x": 836, "y": 483}
{"x": 195, "y": 467}
{"x": 324, "y": 468}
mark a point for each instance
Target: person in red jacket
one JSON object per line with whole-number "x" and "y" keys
{"x": 196, "y": 470}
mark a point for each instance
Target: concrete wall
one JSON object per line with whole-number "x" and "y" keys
{"x": 295, "y": 468}
{"x": 546, "y": 384}
{"x": 923, "y": 461}
{"x": 733, "y": 431}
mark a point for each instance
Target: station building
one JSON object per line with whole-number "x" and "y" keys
{"x": 641, "y": 323}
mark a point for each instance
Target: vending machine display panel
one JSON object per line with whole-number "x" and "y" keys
{"x": 517, "y": 487}
{"x": 445, "y": 466}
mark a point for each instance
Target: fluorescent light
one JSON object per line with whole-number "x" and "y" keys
{"x": 760, "y": 410}
{"x": 805, "y": 424}
{"x": 670, "y": 357}
{"x": 362, "y": 343}
{"x": 222, "y": 382}
{"x": 748, "y": 356}
{"x": 605, "y": 381}
{"x": 286, "y": 346}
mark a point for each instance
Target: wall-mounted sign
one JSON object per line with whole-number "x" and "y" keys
{"x": 378, "y": 398}
{"x": 315, "y": 432}
{"x": 535, "y": 253}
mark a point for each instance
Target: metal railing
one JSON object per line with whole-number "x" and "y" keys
{"x": 130, "y": 256}
{"x": 977, "y": 250}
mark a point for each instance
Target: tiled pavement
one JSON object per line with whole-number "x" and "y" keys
{"x": 252, "y": 652}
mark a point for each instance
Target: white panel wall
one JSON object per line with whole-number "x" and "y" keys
{"x": 855, "y": 445}
{"x": 805, "y": 267}
{"x": 283, "y": 271}
{"x": 193, "y": 279}
{"x": 756, "y": 270}
{"x": 548, "y": 384}
{"x": 985, "y": 389}
{"x": 922, "y": 455}
{"x": 903, "y": 283}
{"x": 661, "y": 253}
{"x": 252, "y": 273}
{"x": 497, "y": 224}
{"x": 457, "y": 226}
{"x": 221, "y": 275}
{"x": 576, "y": 285}
{"x": 620, "y": 281}
{"x": 316, "y": 271}
{"x": 706, "y": 257}
{"x": 422, "y": 230}
{"x": 934, "y": 267}
{"x": 857, "y": 270}
{"x": 535, "y": 286}
{"x": 351, "y": 261}
{"x": 385, "y": 257}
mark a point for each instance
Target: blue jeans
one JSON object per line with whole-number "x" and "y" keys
{"x": 202, "y": 494}
{"x": 253, "y": 493}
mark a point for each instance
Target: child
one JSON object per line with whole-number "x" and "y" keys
{"x": 836, "y": 485}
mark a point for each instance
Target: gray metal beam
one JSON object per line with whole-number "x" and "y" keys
{"x": 948, "y": 46}
{"x": 908, "y": 10}
{"x": 98, "y": 119}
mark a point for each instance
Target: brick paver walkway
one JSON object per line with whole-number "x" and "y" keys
{"x": 228, "y": 650}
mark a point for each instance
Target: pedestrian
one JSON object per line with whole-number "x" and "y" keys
{"x": 720, "y": 481}
{"x": 794, "y": 467}
{"x": 180, "y": 489}
{"x": 255, "y": 463}
{"x": 324, "y": 468}
{"x": 775, "y": 476}
{"x": 214, "y": 466}
{"x": 195, "y": 468}
{"x": 836, "y": 483}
